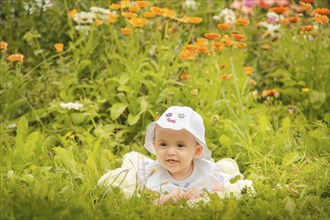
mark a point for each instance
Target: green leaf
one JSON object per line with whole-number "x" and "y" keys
{"x": 224, "y": 140}
{"x": 66, "y": 157}
{"x": 289, "y": 205}
{"x": 117, "y": 109}
{"x": 132, "y": 120}
{"x": 83, "y": 64}
{"x": 290, "y": 158}
{"x": 317, "y": 98}
{"x": 22, "y": 129}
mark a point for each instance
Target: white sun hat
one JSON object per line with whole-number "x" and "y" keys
{"x": 177, "y": 118}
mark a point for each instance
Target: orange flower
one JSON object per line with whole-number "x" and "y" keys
{"x": 157, "y": 10}
{"x": 306, "y": 6}
{"x": 293, "y": 19}
{"x": 194, "y": 20}
{"x": 225, "y": 77}
{"x": 126, "y": 31}
{"x": 322, "y": 11}
{"x": 112, "y": 18}
{"x": 72, "y": 13}
{"x": 224, "y": 26}
{"x": 217, "y": 46}
{"x": 168, "y": 13}
{"x": 149, "y": 14}
{"x": 187, "y": 55}
{"x": 98, "y": 21}
{"x": 243, "y": 22}
{"x": 272, "y": 92}
{"x": 114, "y": 6}
{"x": 242, "y": 45}
{"x": 59, "y": 47}
{"x": 191, "y": 47}
{"x": 185, "y": 76}
{"x": 322, "y": 19}
{"x": 223, "y": 65}
{"x": 308, "y": 28}
{"x": 226, "y": 40}
{"x": 212, "y": 36}
{"x": 3, "y": 45}
{"x": 248, "y": 70}
{"x": 201, "y": 40}
{"x": 138, "y": 22}
{"x": 129, "y": 14}
{"x": 279, "y": 10}
{"x": 16, "y": 57}
{"x": 134, "y": 8}
{"x": 202, "y": 48}
{"x": 241, "y": 37}
{"x": 143, "y": 4}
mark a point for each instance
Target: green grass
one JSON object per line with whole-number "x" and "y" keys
{"x": 52, "y": 158}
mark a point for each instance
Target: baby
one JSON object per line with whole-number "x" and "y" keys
{"x": 183, "y": 169}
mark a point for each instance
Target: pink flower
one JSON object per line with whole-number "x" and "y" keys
{"x": 249, "y": 3}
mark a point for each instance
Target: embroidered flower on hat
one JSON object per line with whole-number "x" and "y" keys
{"x": 168, "y": 114}
{"x": 181, "y": 115}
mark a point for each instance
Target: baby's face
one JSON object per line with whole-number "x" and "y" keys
{"x": 175, "y": 150}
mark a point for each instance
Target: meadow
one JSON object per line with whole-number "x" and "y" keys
{"x": 81, "y": 80}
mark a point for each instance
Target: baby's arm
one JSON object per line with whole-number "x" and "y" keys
{"x": 173, "y": 196}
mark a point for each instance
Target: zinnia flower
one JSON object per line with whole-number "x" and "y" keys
{"x": 279, "y": 10}
{"x": 157, "y": 10}
{"x": 168, "y": 13}
{"x": 134, "y": 8}
{"x": 126, "y": 31}
{"x": 59, "y": 47}
{"x": 112, "y": 18}
{"x": 224, "y": 26}
{"x": 187, "y": 55}
{"x": 185, "y": 76}
{"x": 3, "y": 45}
{"x": 272, "y": 92}
{"x": 129, "y": 14}
{"x": 16, "y": 57}
{"x": 241, "y": 37}
{"x": 142, "y": 4}
{"x": 72, "y": 13}
{"x": 243, "y": 22}
{"x": 194, "y": 20}
{"x": 322, "y": 11}
{"x": 212, "y": 36}
{"x": 114, "y": 6}
{"x": 149, "y": 14}
{"x": 217, "y": 46}
{"x": 225, "y": 77}
{"x": 248, "y": 70}
{"x": 138, "y": 22}
{"x": 293, "y": 19}
{"x": 308, "y": 28}
{"x": 321, "y": 19}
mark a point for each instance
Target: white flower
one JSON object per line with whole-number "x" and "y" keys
{"x": 273, "y": 17}
{"x": 84, "y": 17}
{"x": 82, "y": 28}
{"x": 101, "y": 13}
{"x": 71, "y": 105}
{"x": 225, "y": 12}
{"x": 191, "y": 4}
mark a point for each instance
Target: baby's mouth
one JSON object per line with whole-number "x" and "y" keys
{"x": 171, "y": 161}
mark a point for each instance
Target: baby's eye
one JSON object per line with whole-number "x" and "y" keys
{"x": 162, "y": 144}
{"x": 180, "y": 145}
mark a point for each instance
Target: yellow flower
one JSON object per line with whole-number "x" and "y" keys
{"x": 114, "y": 6}
{"x": 138, "y": 22}
{"x": 142, "y": 4}
{"x": 134, "y": 8}
{"x": 59, "y": 47}
{"x": 305, "y": 89}
{"x": 248, "y": 70}
{"x": 148, "y": 14}
{"x": 321, "y": 19}
{"x": 129, "y": 14}
{"x": 194, "y": 20}
{"x": 3, "y": 45}
{"x": 16, "y": 57}
{"x": 69, "y": 135}
{"x": 187, "y": 55}
{"x": 212, "y": 36}
{"x": 72, "y": 13}
{"x": 112, "y": 18}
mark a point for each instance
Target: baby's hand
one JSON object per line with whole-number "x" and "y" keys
{"x": 177, "y": 194}
{"x": 193, "y": 193}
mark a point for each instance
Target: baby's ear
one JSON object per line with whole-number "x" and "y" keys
{"x": 153, "y": 142}
{"x": 199, "y": 150}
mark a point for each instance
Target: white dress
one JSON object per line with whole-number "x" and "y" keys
{"x": 138, "y": 171}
